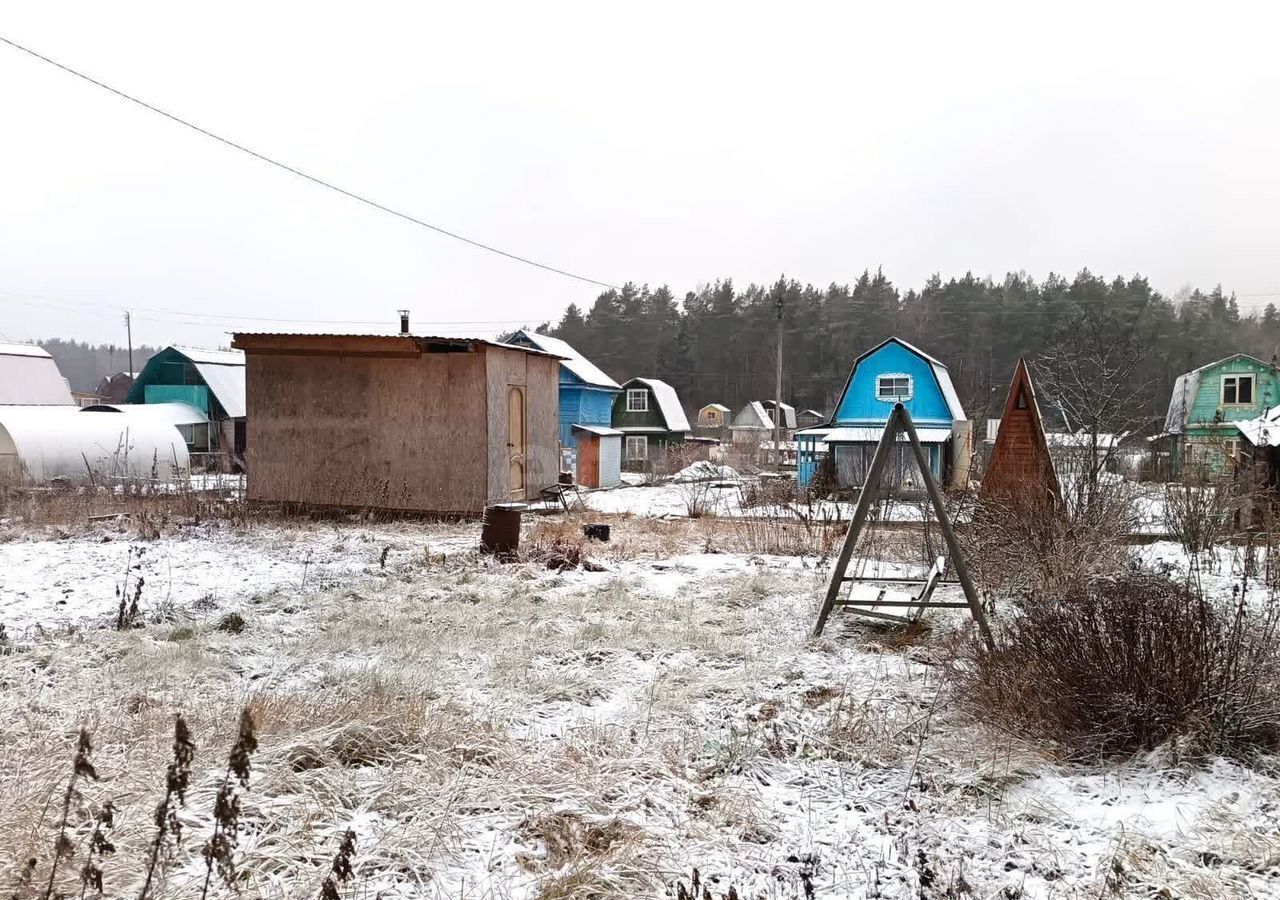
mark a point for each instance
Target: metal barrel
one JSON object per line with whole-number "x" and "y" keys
{"x": 500, "y": 529}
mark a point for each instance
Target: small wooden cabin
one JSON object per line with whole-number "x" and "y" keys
{"x": 403, "y": 422}
{"x": 713, "y": 416}
{"x": 1021, "y": 467}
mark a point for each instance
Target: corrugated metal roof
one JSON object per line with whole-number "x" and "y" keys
{"x": 753, "y": 415}
{"x": 436, "y": 338}
{"x": 602, "y": 430}
{"x": 213, "y": 357}
{"x": 1263, "y": 431}
{"x": 571, "y": 359}
{"x": 857, "y": 435}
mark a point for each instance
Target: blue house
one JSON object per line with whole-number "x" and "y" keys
{"x": 891, "y": 372}
{"x": 586, "y": 400}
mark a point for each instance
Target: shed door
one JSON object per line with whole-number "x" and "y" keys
{"x": 515, "y": 443}
{"x": 589, "y": 461}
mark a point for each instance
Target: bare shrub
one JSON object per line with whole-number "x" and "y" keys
{"x": 1033, "y": 545}
{"x": 776, "y": 493}
{"x": 1129, "y": 662}
{"x": 1200, "y": 510}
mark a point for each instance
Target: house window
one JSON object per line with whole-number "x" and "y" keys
{"x": 1237, "y": 390}
{"x": 637, "y": 400}
{"x": 893, "y": 388}
{"x": 1231, "y": 449}
{"x": 637, "y": 446}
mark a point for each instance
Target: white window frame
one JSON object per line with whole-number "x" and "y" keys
{"x": 637, "y": 440}
{"x": 1231, "y": 448}
{"x": 641, "y": 394}
{"x": 895, "y": 376}
{"x": 1236, "y": 381}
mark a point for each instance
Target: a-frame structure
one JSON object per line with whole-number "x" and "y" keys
{"x": 1021, "y": 467}
{"x": 900, "y": 424}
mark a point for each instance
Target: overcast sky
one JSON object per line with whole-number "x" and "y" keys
{"x": 667, "y": 143}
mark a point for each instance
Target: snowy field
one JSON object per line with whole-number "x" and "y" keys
{"x": 511, "y": 731}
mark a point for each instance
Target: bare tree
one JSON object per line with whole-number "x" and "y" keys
{"x": 1093, "y": 373}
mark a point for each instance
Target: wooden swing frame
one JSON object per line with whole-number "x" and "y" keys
{"x": 900, "y": 423}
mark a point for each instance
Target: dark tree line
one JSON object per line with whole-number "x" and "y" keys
{"x": 718, "y": 344}
{"x": 85, "y": 365}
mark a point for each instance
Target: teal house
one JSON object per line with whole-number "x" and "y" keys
{"x": 211, "y": 381}
{"x": 889, "y": 373}
{"x": 1201, "y": 430}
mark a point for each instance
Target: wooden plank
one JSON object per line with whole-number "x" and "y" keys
{"x": 944, "y": 522}
{"x": 883, "y": 451}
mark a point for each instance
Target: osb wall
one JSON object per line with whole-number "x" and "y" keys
{"x": 540, "y": 377}
{"x": 392, "y": 433}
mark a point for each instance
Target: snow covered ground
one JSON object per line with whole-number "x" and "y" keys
{"x": 510, "y": 731}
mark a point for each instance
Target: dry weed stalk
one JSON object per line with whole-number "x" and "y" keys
{"x": 23, "y": 886}
{"x": 342, "y": 869}
{"x": 177, "y": 780}
{"x": 81, "y": 767}
{"x": 99, "y": 845}
{"x": 219, "y": 850}
{"x": 129, "y": 613}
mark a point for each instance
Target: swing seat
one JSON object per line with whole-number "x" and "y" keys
{"x": 915, "y": 605}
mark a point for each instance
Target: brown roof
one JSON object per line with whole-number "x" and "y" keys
{"x": 246, "y": 340}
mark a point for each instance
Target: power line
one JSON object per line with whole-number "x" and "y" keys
{"x": 184, "y": 317}
{"x": 313, "y": 179}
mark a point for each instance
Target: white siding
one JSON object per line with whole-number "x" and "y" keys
{"x": 610, "y": 461}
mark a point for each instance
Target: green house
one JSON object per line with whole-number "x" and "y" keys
{"x": 1199, "y": 430}
{"x": 649, "y": 414}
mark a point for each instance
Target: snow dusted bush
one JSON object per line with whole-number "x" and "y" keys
{"x": 1038, "y": 545}
{"x": 1200, "y": 510}
{"x": 1131, "y": 662}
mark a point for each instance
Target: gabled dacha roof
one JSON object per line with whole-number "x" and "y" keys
{"x": 668, "y": 402}
{"x": 221, "y": 370}
{"x": 1185, "y": 388}
{"x": 575, "y": 362}
{"x": 940, "y": 374}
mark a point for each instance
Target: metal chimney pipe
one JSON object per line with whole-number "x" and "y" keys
{"x": 404, "y": 321}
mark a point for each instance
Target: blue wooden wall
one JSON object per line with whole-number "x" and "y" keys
{"x": 860, "y": 406}
{"x": 582, "y": 404}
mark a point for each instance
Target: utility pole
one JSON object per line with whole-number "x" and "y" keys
{"x": 128, "y": 327}
{"x": 777, "y": 399}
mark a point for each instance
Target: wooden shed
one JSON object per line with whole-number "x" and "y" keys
{"x": 1021, "y": 467}
{"x": 404, "y": 422}
{"x": 599, "y": 455}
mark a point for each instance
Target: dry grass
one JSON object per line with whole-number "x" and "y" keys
{"x": 506, "y": 730}
{"x": 72, "y": 508}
